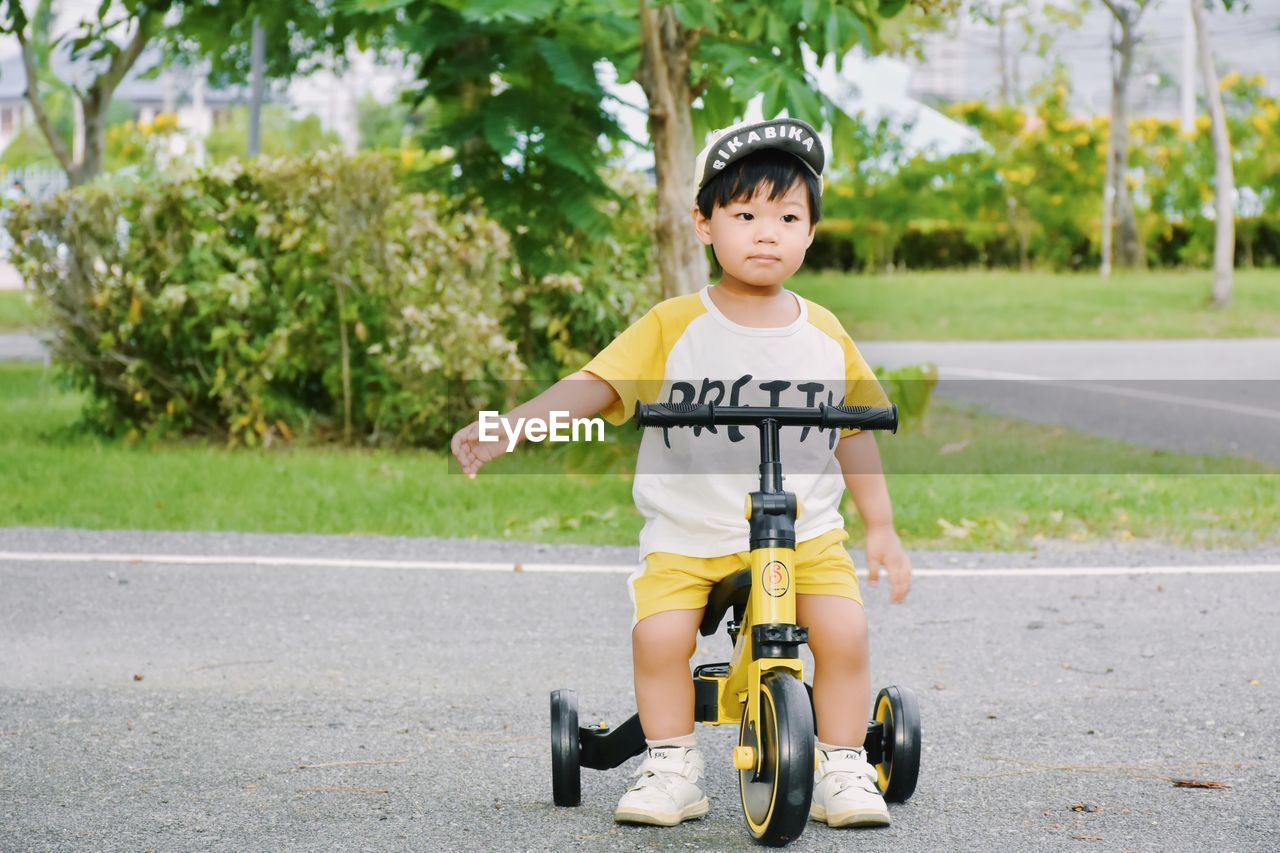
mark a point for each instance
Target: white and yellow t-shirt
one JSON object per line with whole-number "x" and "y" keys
{"x": 690, "y": 482}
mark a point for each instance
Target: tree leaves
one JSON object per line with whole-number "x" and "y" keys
{"x": 697, "y": 14}
{"x": 569, "y": 70}
{"x": 516, "y": 11}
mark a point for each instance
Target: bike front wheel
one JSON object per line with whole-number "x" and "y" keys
{"x": 778, "y": 789}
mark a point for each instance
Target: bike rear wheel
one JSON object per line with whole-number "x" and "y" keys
{"x": 899, "y": 716}
{"x": 566, "y": 771}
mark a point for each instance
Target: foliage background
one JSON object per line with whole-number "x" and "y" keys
{"x": 1033, "y": 195}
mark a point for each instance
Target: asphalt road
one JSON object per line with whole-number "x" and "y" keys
{"x": 1206, "y": 396}
{"x": 233, "y": 706}
{"x": 19, "y": 346}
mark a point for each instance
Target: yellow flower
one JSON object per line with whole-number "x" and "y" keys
{"x": 1203, "y": 123}
{"x": 1229, "y": 81}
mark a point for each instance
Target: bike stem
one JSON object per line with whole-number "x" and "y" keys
{"x": 770, "y": 464}
{"x": 773, "y": 514}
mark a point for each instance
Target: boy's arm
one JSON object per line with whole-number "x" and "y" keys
{"x": 859, "y": 459}
{"x": 580, "y": 394}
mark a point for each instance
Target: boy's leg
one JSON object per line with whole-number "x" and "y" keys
{"x": 844, "y": 790}
{"x": 669, "y": 788}
{"x": 841, "y": 675}
{"x": 669, "y": 594}
{"x": 829, "y": 604}
{"x": 661, "y": 646}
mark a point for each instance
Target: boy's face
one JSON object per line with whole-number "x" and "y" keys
{"x": 757, "y": 241}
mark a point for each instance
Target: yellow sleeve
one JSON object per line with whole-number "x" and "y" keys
{"x": 861, "y": 388}
{"x": 633, "y": 365}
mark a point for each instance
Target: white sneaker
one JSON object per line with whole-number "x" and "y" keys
{"x": 845, "y": 792}
{"x": 668, "y": 790}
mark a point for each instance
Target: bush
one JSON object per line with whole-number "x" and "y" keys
{"x": 256, "y": 301}
{"x": 600, "y": 287}
{"x": 911, "y": 387}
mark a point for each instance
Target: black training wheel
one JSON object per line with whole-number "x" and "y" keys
{"x": 777, "y": 791}
{"x": 899, "y": 716}
{"x": 566, "y": 779}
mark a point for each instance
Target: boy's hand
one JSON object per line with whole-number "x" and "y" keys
{"x": 470, "y": 451}
{"x": 883, "y": 547}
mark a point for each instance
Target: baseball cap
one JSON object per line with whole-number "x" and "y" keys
{"x": 733, "y": 143}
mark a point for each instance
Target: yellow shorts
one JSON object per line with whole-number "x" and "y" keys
{"x": 676, "y": 582}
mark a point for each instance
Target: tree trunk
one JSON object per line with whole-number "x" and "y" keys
{"x": 257, "y": 80}
{"x": 1108, "y": 208}
{"x": 664, "y": 75}
{"x": 472, "y": 97}
{"x": 1224, "y": 244}
{"x": 94, "y": 110}
{"x": 1004, "y": 58}
{"x": 1129, "y": 251}
{"x": 84, "y": 166}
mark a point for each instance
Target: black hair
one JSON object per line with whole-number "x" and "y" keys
{"x": 769, "y": 167}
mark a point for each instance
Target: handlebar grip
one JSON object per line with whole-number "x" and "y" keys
{"x": 675, "y": 414}
{"x": 861, "y": 417}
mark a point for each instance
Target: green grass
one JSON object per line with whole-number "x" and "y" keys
{"x": 16, "y": 314}
{"x": 1001, "y": 305}
{"x": 1005, "y": 305}
{"x": 54, "y": 475}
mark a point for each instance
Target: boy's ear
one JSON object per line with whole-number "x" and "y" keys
{"x": 813, "y": 231}
{"x": 701, "y": 226}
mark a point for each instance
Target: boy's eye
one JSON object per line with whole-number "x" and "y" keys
{"x": 785, "y": 217}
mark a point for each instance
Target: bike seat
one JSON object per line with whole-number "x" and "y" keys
{"x": 733, "y": 591}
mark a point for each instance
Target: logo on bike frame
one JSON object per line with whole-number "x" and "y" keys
{"x": 775, "y": 578}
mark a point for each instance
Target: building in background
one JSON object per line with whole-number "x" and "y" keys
{"x": 965, "y": 63}
{"x": 179, "y": 91}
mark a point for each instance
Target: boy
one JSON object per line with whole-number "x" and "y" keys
{"x": 744, "y": 341}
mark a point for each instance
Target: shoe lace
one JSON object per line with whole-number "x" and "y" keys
{"x": 849, "y": 769}
{"x": 656, "y": 772}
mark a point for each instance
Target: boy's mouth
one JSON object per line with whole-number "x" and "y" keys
{"x": 764, "y": 259}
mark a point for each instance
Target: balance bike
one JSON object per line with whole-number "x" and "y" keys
{"x": 762, "y": 690}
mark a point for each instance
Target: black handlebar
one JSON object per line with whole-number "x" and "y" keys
{"x": 823, "y": 416}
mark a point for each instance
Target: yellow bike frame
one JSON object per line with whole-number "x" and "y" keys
{"x": 772, "y": 602}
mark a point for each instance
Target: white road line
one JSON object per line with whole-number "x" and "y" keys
{"x": 1099, "y": 388}
{"x": 594, "y": 568}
